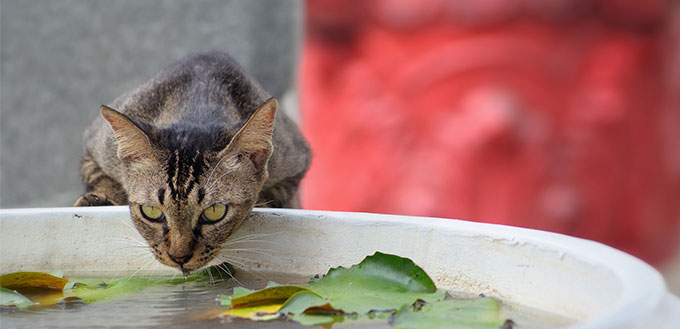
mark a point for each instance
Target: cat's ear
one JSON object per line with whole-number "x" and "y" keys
{"x": 133, "y": 143}
{"x": 255, "y": 137}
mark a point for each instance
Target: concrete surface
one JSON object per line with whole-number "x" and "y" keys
{"x": 61, "y": 59}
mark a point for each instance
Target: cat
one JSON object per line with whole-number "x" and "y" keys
{"x": 192, "y": 151}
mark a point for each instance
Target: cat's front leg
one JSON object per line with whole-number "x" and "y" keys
{"x": 101, "y": 190}
{"x": 93, "y": 199}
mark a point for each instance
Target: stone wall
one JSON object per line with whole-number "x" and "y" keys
{"x": 61, "y": 59}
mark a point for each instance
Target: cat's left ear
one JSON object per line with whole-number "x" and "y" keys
{"x": 133, "y": 143}
{"x": 255, "y": 137}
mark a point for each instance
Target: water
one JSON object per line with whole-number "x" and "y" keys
{"x": 190, "y": 304}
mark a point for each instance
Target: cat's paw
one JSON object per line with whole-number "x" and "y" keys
{"x": 92, "y": 199}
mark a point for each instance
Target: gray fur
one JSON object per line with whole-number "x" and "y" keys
{"x": 201, "y": 89}
{"x": 197, "y": 135}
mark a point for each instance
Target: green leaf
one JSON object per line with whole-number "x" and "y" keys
{"x": 13, "y": 298}
{"x": 94, "y": 290}
{"x": 240, "y": 291}
{"x": 380, "y": 282}
{"x": 390, "y": 272}
{"x": 224, "y": 300}
{"x": 316, "y": 319}
{"x": 258, "y": 305}
{"x": 482, "y": 313}
{"x": 301, "y": 301}
{"x": 47, "y": 289}
{"x": 328, "y": 320}
{"x": 379, "y": 287}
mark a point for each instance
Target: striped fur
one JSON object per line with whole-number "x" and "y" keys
{"x": 202, "y": 132}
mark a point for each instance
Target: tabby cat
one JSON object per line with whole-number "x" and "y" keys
{"x": 192, "y": 151}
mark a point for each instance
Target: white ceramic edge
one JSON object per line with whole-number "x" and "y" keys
{"x": 646, "y": 301}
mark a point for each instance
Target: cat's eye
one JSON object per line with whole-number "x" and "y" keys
{"x": 152, "y": 213}
{"x": 214, "y": 213}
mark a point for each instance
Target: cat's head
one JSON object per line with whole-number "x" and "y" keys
{"x": 189, "y": 192}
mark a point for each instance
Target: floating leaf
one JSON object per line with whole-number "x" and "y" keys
{"x": 482, "y": 313}
{"x": 380, "y": 282}
{"x": 240, "y": 291}
{"x": 272, "y": 284}
{"x": 47, "y": 289}
{"x": 389, "y": 272}
{"x": 271, "y": 295}
{"x": 316, "y": 319}
{"x": 13, "y": 298}
{"x": 260, "y": 304}
{"x": 327, "y": 320}
{"x": 44, "y": 297}
{"x": 224, "y": 300}
{"x": 31, "y": 280}
{"x": 301, "y": 301}
{"x": 94, "y": 290}
{"x": 262, "y": 312}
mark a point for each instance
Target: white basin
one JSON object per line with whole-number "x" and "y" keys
{"x": 599, "y": 286}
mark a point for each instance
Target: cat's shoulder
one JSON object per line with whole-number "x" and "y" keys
{"x": 206, "y": 64}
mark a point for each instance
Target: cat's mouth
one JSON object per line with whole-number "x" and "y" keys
{"x": 187, "y": 263}
{"x": 185, "y": 271}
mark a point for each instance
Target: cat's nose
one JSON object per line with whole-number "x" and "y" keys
{"x": 180, "y": 259}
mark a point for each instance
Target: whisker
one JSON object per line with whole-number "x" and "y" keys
{"x": 215, "y": 168}
{"x": 135, "y": 247}
{"x": 127, "y": 223}
{"x": 263, "y": 203}
{"x": 225, "y": 268}
{"x": 251, "y": 237}
{"x": 153, "y": 271}
{"x": 240, "y": 262}
{"x": 137, "y": 271}
{"x": 209, "y": 187}
{"x": 127, "y": 240}
{"x": 225, "y": 245}
{"x": 212, "y": 280}
{"x": 115, "y": 275}
{"x": 256, "y": 251}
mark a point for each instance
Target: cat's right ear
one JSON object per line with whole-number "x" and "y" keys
{"x": 133, "y": 143}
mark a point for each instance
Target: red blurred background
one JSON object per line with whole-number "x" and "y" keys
{"x": 559, "y": 115}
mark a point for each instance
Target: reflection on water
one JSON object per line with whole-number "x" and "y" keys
{"x": 188, "y": 305}
{"x": 157, "y": 306}
{"x": 185, "y": 305}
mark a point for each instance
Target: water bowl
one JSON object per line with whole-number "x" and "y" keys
{"x": 566, "y": 282}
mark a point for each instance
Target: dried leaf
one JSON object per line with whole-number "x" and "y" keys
{"x": 31, "y": 280}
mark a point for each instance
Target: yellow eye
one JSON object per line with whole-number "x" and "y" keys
{"x": 214, "y": 212}
{"x": 152, "y": 213}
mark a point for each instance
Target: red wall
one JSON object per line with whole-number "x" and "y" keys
{"x": 560, "y": 115}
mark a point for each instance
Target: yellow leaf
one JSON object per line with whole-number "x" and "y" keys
{"x": 31, "y": 280}
{"x": 257, "y": 313}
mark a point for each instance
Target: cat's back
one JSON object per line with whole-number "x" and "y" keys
{"x": 203, "y": 93}
{"x": 202, "y": 87}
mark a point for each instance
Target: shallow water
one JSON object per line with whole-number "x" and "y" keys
{"x": 187, "y": 305}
